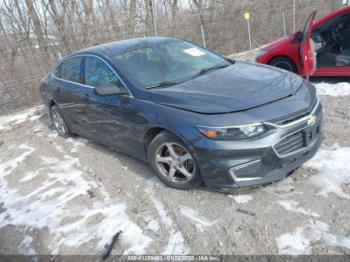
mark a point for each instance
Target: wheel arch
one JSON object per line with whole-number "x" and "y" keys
{"x": 51, "y": 103}
{"x": 286, "y": 57}
{"x": 152, "y": 132}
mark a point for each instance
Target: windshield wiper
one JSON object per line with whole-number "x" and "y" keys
{"x": 170, "y": 83}
{"x": 205, "y": 70}
{"x": 164, "y": 83}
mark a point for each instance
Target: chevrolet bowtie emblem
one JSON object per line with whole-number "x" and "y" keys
{"x": 312, "y": 120}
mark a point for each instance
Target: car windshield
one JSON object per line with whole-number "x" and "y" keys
{"x": 168, "y": 63}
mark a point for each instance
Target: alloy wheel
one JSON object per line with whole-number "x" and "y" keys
{"x": 175, "y": 163}
{"x": 58, "y": 122}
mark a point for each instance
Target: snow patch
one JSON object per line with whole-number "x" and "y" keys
{"x": 77, "y": 142}
{"x": 294, "y": 206}
{"x": 29, "y": 176}
{"x": 154, "y": 226}
{"x": 25, "y": 247}
{"x": 9, "y": 121}
{"x": 194, "y": 217}
{"x": 8, "y": 166}
{"x": 241, "y": 199}
{"x": 301, "y": 240}
{"x": 333, "y": 166}
{"x": 176, "y": 242}
{"x": 61, "y": 204}
{"x": 338, "y": 89}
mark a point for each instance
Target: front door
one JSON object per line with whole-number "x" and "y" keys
{"x": 307, "y": 53}
{"x": 108, "y": 116}
{"x": 342, "y": 39}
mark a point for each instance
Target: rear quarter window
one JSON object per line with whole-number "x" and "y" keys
{"x": 57, "y": 71}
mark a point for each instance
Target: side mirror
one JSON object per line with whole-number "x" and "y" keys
{"x": 300, "y": 36}
{"x": 230, "y": 60}
{"x": 109, "y": 90}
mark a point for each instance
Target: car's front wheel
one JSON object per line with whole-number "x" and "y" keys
{"x": 284, "y": 63}
{"x": 59, "y": 123}
{"x": 173, "y": 162}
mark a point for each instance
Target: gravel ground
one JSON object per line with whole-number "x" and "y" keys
{"x": 70, "y": 196}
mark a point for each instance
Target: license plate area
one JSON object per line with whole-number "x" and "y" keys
{"x": 310, "y": 134}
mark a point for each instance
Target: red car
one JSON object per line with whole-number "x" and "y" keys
{"x": 322, "y": 49}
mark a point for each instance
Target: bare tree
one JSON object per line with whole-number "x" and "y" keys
{"x": 199, "y": 4}
{"x": 112, "y": 17}
{"x": 131, "y": 24}
{"x": 37, "y": 25}
{"x": 174, "y": 10}
{"x": 58, "y": 20}
{"x": 149, "y": 17}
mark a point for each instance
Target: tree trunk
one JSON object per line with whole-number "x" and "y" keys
{"x": 59, "y": 23}
{"x": 200, "y": 7}
{"x": 112, "y": 18}
{"x": 174, "y": 12}
{"x": 37, "y": 25}
{"x": 131, "y": 19}
{"x": 149, "y": 17}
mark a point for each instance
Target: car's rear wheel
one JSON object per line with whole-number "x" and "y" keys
{"x": 173, "y": 162}
{"x": 284, "y": 63}
{"x": 59, "y": 123}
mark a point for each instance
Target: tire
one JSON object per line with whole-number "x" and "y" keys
{"x": 173, "y": 163}
{"x": 59, "y": 122}
{"x": 284, "y": 63}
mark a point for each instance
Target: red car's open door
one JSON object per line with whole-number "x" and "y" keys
{"x": 307, "y": 55}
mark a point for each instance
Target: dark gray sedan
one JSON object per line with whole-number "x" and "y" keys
{"x": 194, "y": 115}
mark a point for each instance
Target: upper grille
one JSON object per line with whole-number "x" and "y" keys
{"x": 290, "y": 144}
{"x": 315, "y": 106}
{"x": 292, "y": 119}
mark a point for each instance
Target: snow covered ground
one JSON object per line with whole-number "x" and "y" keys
{"x": 333, "y": 89}
{"x": 332, "y": 177}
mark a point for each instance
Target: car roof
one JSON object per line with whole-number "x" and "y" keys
{"x": 117, "y": 47}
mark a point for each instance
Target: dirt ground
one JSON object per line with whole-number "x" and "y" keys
{"x": 70, "y": 196}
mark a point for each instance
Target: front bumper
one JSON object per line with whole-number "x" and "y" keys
{"x": 262, "y": 160}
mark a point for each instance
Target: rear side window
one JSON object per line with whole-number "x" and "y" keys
{"x": 98, "y": 73}
{"x": 71, "y": 70}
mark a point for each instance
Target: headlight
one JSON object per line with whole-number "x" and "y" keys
{"x": 232, "y": 133}
{"x": 261, "y": 52}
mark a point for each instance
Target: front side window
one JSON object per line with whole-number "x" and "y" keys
{"x": 98, "y": 73}
{"x": 171, "y": 61}
{"x": 70, "y": 70}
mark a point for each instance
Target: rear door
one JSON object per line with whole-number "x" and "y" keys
{"x": 307, "y": 53}
{"x": 70, "y": 93}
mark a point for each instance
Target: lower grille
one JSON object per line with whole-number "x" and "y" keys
{"x": 290, "y": 144}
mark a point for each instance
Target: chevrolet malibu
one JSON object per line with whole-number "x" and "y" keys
{"x": 192, "y": 114}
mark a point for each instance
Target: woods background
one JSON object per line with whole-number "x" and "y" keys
{"x": 34, "y": 34}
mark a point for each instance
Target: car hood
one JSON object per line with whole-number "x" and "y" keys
{"x": 279, "y": 42}
{"x": 239, "y": 87}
